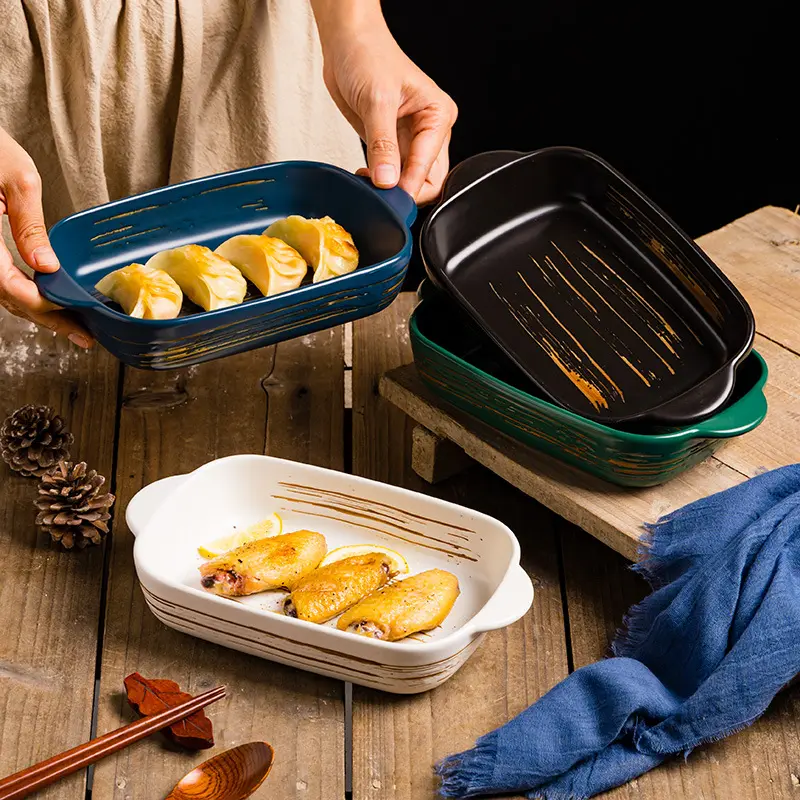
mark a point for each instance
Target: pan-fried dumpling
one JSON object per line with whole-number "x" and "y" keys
{"x": 271, "y": 264}
{"x": 143, "y": 292}
{"x": 326, "y": 245}
{"x": 207, "y": 279}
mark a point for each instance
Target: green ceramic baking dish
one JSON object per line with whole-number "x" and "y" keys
{"x": 457, "y": 362}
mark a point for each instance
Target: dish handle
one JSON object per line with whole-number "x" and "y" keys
{"x": 475, "y": 167}
{"x": 400, "y": 201}
{"x": 60, "y": 288}
{"x": 728, "y": 423}
{"x": 508, "y": 604}
{"x": 147, "y": 501}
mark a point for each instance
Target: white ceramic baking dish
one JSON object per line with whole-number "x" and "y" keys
{"x": 172, "y": 517}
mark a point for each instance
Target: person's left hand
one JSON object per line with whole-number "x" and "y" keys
{"x": 402, "y": 115}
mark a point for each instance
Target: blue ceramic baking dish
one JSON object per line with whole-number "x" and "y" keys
{"x": 208, "y": 211}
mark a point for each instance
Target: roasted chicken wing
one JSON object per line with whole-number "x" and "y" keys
{"x": 331, "y": 589}
{"x": 414, "y": 604}
{"x": 277, "y": 562}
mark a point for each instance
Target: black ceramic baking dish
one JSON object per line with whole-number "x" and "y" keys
{"x": 599, "y": 298}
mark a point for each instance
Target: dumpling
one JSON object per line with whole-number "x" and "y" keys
{"x": 271, "y": 264}
{"x": 326, "y": 245}
{"x": 143, "y": 292}
{"x": 207, "y": 279}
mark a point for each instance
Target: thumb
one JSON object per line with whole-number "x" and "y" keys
{"x": 383, "y": 153}
{"x": 24, "y": 208}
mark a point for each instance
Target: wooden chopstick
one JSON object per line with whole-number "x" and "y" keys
{"x": 21, "y": 784}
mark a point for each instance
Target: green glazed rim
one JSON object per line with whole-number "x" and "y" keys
{"x": 742, "y": 416}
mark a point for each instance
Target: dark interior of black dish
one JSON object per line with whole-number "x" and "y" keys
{"x": 441, "y": 321}
{"x": 593, "y": 294}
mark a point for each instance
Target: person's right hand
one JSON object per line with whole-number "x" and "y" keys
{"x": 21, "y": 201}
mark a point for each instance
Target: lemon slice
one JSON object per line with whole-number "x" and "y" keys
{"x": 271, "y": 526}
{"x": 397, "y": 564}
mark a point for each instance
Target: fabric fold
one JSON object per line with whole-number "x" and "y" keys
{"x": 701, "y": 657}
{"x": 112, "y": 98}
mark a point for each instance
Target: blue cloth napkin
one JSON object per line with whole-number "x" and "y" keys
{"x": 702, "y": 657}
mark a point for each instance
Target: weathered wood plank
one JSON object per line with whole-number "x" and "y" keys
{"x": 396, "y": 740}
{"x": 435, "y": 459}
{"x": 288, "y": 401}
{"x": 760, "y": 253}
{"x": 49, "y": 599}
{"x": 755, "y": 763}
{"x": 777, "y": 441}
{"x": 611, "y": 514}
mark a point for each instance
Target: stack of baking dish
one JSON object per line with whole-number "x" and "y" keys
{"x": 566, "y": 310}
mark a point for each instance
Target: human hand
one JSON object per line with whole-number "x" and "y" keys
{"x": 21, "y": 200}
{"x": 402, "y": 115}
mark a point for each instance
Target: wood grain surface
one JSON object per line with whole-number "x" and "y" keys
{"x": 317, "y": 399}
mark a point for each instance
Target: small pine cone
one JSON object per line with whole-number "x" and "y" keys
{"x": 34, "y": 439}
{"x": 72, "y": 509}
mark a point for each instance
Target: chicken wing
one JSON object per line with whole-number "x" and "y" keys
{"x": 331, "y": 589}
{"x": 276, "y": 562}
{"x": 414, "y": 604}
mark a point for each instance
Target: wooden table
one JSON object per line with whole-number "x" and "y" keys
{"x": 74, "y": 624}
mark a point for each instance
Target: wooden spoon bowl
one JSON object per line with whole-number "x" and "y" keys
{"x": 232, "y": 775}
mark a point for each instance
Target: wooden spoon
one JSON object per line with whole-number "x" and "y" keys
{"x": 232, "y": 775}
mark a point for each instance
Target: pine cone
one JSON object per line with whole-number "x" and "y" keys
{"x": 71, "y": 507}
{"x": 34, "y": 439}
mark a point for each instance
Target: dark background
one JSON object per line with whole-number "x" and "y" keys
{"x": 697, "y": 105}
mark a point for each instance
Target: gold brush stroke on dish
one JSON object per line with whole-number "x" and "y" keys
{"x": 448, "y": 553}
{"x": 128, "y": 236}
{"x": 346, "y": 294}
{"x": 618, "y": 315}
{"x": 111, "y": 233}
{"x": 314, "y": 491}
{"x": 186, "y": 349}
{"x": 292, "y": 658}
{"x": 410, "y": 675}
{"x": 526, "y": 420}
{"x": 655, "y": 240}
{"x": 365, "y": 513}
{"x": 667, "y": 332}
{"x": 516, "y": 415}
{"x": 562, "y": 346}
{"x": 449, "y": 378}
{"x": 558, "y": 352}
{"x": 608, "y": 380}
{"x": 236, "y": 185}
{"x": 127, "y": 214}
{"x": 579, "y": 449}
{"x": 549, "y": 262}
{"x": 173, "y": 355}
{"x": 291, "y": 640}
{"x": 662, "y": 337}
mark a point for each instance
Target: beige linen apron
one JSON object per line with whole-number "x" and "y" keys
{"x": 114, "y": 97}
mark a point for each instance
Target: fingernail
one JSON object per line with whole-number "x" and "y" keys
{"x": 79, "y": 340}
{"x": 385, "y": 174}
{"x": 45, "y": 258}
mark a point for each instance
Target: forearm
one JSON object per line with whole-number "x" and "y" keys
{"x": 337, "y": 18}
